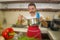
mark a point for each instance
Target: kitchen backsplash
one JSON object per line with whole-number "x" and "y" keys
{"x": 12, "y": 16}
{"x": 1, "y": 17}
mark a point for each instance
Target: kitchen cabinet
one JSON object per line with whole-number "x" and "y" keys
{"x": 17, "y": 5}
{"x": 41, "y": 1}
{"x": 42, "y": 5}
{"x": 55, "y": 0}
{"x": 3, "y": 6}
{"x": 24, "y": 6}
{"x": 24, "y": 1}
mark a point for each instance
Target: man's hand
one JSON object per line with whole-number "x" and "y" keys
{"x": 20, "y": 17}
{"x": 43, "y": 22}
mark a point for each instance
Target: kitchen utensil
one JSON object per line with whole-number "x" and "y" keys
{"x": 56, "y": 21}
{"x": 33, "y": 21}
{"x": 19, "y": 26}
{"x": 50, "y": 23}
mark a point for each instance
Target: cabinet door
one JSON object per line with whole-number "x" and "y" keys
{"x": 18, "y": 5}
{"x": 55, "y": 0}
{"x": 0, "y": 5}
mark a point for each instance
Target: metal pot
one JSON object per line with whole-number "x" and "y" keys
{"x": 56, "y": 21}
{"x": 33, "y": 21}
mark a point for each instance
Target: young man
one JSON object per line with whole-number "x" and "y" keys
{"x": 34, "y": 31}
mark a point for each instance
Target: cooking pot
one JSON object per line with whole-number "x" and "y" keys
{"x": 27, "y": 22}
{"x": 56, "y": 21}
{"x": 33, "y": 21}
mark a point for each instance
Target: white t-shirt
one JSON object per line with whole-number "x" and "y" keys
{"x": 30, "y": 17}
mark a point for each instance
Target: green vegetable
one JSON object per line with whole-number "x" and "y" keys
{"x": 26, "y": 38}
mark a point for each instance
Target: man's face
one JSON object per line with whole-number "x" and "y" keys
{"x": 32, "y": 9}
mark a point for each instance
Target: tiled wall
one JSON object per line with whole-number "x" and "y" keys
{"x": 1, "y": 17}
{"x": 12, "y": 16}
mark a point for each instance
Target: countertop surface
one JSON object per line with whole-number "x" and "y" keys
{"x": 54, "y": 34}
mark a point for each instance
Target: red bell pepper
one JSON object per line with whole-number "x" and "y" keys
{"x": 6, "y": 33}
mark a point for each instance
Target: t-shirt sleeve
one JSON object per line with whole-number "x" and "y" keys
{"x": 42, "y": 16}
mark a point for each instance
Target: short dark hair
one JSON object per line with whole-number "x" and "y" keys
{"x": 32, "y": 4}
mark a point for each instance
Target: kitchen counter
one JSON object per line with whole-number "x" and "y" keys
{"x": 55, "y": 35}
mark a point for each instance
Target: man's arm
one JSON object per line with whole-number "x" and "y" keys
{"x": 20, "y": 19}
{"x": 43, "y": 22}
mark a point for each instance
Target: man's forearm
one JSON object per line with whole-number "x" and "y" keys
{"x": 44, "y": 23}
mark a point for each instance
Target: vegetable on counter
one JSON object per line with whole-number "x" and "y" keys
{"x": 8, "y": 33}
{"x": 26, "y": 38}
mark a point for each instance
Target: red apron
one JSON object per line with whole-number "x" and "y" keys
{"x": 34, "y": 31}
